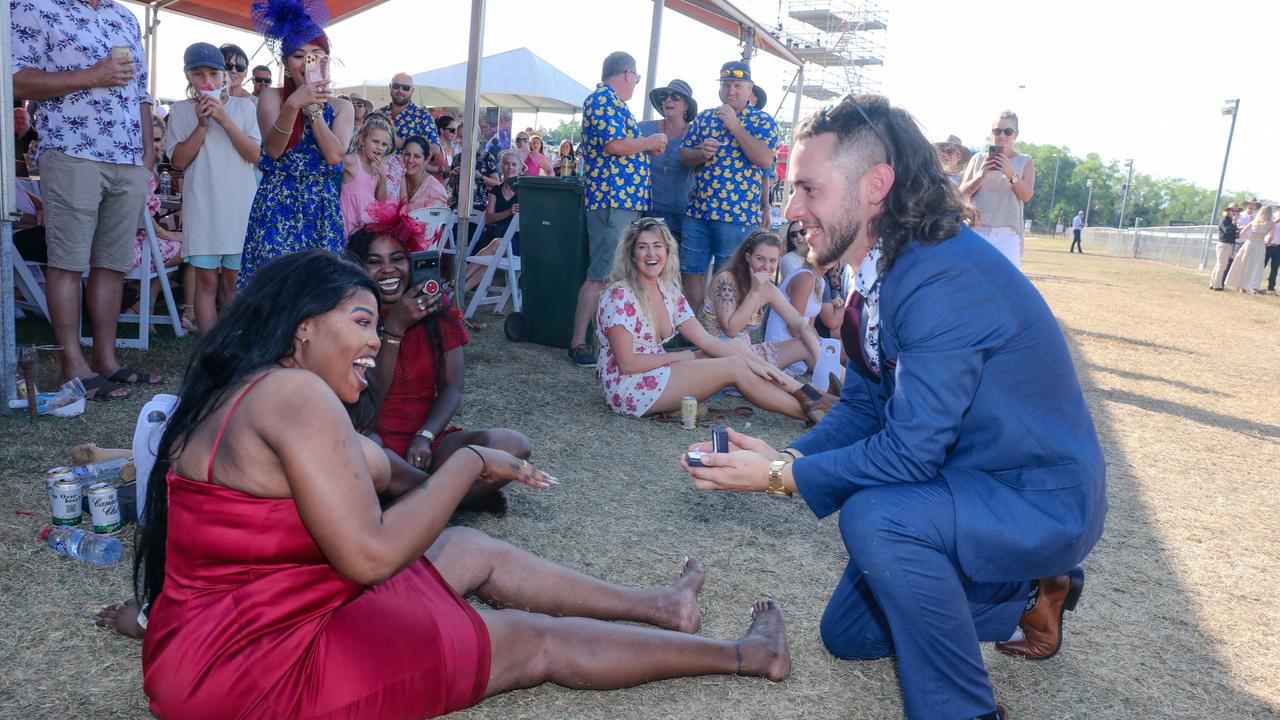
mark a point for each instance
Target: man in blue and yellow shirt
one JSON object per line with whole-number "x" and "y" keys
{"x": 406, "y": 118}
{"x": 730, "y": 145}
{"x": 616, "y": 179}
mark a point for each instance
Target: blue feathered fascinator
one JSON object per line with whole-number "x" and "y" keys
{"x": 289, "y": 24}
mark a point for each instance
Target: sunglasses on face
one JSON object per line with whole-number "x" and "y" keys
{"x": 521, "y": 141}
{"x": 1009, "y": 132}
{"x": 236, "y": 67}
{"x": 401, "y": 86}
{"x": 739, "y": 74}
{"x": 262, "y": 81}
{"x": 451, "y": 129}
{"x": 665, "y": 96}
{"x": 795, "y": 234}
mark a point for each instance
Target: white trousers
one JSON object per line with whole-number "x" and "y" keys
{"x": 1006, "y": 240}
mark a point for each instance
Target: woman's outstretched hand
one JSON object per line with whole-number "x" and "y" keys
{"x": 502, "y": 465}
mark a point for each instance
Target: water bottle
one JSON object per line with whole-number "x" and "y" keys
{"x": 82, "y": 544}
{"x": 106, "y": 471}
{"x": 166, "y": 183}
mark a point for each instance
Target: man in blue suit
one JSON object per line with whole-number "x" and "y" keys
{"x": 961, "y": 455}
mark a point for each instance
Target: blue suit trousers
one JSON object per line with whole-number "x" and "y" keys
{"x": 904, "y": 593}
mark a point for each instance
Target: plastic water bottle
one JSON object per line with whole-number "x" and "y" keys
{"x": 82, "y": 544}
{"x": 166, "y": 183}
{"x": 105, "y": 471}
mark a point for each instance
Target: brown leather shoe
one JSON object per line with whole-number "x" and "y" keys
{"x": 1042, "y": 623}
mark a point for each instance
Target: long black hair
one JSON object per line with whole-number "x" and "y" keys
{"x": 357, "y": 250}
{"x": 255, "y": 333}
{"x": 923, "y": 203}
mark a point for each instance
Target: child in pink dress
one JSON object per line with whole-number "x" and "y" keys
{"x": 364, "y": 172}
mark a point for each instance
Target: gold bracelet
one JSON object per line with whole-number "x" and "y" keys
{"x": 282, "y": 132}
{"x": 391, "y": 339}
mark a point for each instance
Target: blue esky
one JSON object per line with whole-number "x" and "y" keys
{"x": 1142, "y": 80}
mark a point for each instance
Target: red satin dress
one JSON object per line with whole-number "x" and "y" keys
{"x": 253, "y": 622}
{"x": 413, "y": 385}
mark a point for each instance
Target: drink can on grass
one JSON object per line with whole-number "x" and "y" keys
{"x": 64, "y": 499}
{"x": 104, "y": 508}
{"x": 689, "y": 412}
{"x": 53, "y": 475}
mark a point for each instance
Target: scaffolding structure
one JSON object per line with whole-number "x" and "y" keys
{"x": 841, "y": 42}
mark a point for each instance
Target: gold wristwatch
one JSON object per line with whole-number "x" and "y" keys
{"x": 775, "y": 488}
{"x": 430, "y": 436}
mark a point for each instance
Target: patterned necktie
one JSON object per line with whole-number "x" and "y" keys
{"x": 851, "y": 334}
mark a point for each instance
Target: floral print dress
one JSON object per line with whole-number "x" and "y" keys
{"x": 634, "y": 394}
{"x": 298, "y": 206}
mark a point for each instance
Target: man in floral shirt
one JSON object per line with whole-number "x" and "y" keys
{"x": 406, "y": 118}
{"x": 83, "y": 60}
{"x": 730, "y": 145}
{"x": 616, "y": 170}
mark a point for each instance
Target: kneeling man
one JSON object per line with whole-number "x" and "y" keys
{"x": 961, "y": 455}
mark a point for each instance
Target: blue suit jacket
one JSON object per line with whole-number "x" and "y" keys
{"x": 985, "y": 398}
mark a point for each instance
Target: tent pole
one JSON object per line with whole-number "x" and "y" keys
{"x": 149, "y": 40}
{"x": 798, "y": 85}
{"x": 471, "y": 124}
{"x": 8, "y": 210}
{"x": 651, "y": 72}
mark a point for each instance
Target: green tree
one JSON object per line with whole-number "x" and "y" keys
{"x": 567, "y": 130}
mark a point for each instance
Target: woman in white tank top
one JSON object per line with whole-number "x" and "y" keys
{"x": 999, "y": 185}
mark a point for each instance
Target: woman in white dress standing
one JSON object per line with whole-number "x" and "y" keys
{"x": 1000, "y": 184}
{"x": 1246, "y": 271}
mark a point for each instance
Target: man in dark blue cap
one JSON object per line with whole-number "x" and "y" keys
{"x": 731, "y": 146}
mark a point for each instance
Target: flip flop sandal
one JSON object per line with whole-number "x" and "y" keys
{"x": 125, "y": 372}
{"x": 100, "y": 389}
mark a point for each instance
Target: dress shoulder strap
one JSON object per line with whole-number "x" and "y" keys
{"x": 217, "y": 440}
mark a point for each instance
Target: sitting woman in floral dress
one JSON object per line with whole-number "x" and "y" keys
{"x": 744, "y": 289}
{"x": 642, "y": 308}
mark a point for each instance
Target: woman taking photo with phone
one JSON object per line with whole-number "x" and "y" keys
{"x": 999, "y": 183}
{"x": 305, "y": 132}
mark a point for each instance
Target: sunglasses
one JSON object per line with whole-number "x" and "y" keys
{"x": 262, "y": 81}
{"x": 521, "y": 141}
{"x": 648, "y": 222}
{"x": 739, "y": 74}
{"x": 1008, "y": 132}
{"x": 665, "y": 96}
{"x": 795, "y": 234}
{"x": 401, "y": 86}
{"x": 236, "y": 67}
{"x": 850, "y": 101}
{"x": 451, "y": 129}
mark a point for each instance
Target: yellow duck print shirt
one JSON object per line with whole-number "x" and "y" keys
{"x": 727, "y": 187}
{"x": 620, "y": 181}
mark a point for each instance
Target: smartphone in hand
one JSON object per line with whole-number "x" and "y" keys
{"x": 424, "y": 273}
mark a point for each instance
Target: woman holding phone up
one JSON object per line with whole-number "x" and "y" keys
{"x": 305, "y": 131}
{"x": 999, "y": 183}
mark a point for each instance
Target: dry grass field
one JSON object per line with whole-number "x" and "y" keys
{"x": 1177, "y": 618}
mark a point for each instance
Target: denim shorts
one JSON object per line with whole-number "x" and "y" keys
{"x": 704, "y": 238}
{"x": 230, "y": 261}
{"x": 674, "y": 221}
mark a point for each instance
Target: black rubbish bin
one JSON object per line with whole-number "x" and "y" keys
{"x": 553, "y": 259}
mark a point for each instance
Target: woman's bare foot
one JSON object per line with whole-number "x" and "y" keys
{"x": 765, "y": 651}
{"x": 679, "y": 611}
{"x": 121, "y": 617}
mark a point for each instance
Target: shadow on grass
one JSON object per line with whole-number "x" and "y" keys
{"x": 1107, "y": 337}
{"x": 1136, "y": 647}
{"x": 1143, "y": 377}
{"x": 1207, "y": 418}
{"x": 1068, "y": 279}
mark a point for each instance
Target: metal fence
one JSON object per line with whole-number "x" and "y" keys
{"x": 1184, "y": 246}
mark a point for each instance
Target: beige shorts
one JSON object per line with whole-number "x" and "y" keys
{"x": 91, "y": 211}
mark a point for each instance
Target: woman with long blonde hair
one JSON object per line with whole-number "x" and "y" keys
{"x": 642, "y": 308}
{"x": 1246, "y": 272}
{"x": 364, "y": 171}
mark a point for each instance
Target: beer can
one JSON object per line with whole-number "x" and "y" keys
{"x": 53, "y": 475}
{"x": 64, "y": 500}
{"x": 104, "y": 508}
{"x": 689, "y": 412}
{"x": 121, "y": 52}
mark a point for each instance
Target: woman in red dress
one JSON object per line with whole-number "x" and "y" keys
{"x": 285, "y": 590}
{"x": 419, "y": 376}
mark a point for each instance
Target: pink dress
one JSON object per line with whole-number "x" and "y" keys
{"x": 169, "y": 249}
{"x": 634, "y": 394}
{"x": 356, "y": 198}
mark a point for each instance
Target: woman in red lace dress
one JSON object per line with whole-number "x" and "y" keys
{"x": 280, "y": 588}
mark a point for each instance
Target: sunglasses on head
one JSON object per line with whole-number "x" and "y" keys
{"x": 647, "y": 223}
{"x": 236, "y": 67}
{"x": 733, "y": 73}
{"x": 401, "y": 86}
{"x": 262, "y": 81}
{"x": 1003, "y": 131}
{"x": 848, "y": 100}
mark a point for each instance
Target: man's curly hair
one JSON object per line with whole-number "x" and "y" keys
{"x": 922, "y": 204}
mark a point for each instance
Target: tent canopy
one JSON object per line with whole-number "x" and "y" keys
{"x": 235, "y": 13}
{"x": 722, "y": 15}
{"x": 517, "y": 79}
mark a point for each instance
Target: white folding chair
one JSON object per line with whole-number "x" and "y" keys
{"x": 30, "y": 280}
{"x": 502, "y": 259}
{"x": 437, "y": 224}
{"x": 151, "y": 268}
